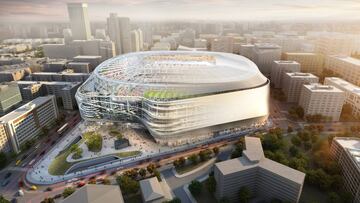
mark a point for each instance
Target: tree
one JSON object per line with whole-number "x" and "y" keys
{"x": 142, "y": 172}
{"x": 48, "y": 200}
{"x": 3, "y": 160}
{"x": 295, "y": 140}
{"x": 78, "y": 153}
{"x": 151, "y": 168}
{"x": 93, "y": 141}
{"x": 333, "y": 197}
{"x": 68, "y": 191}
{"x": 3, "y": 200}
{"x": 205, "y": 154}
{"x": 195, "y": 187}
{"x": 74, "y": 147}
{"x": 39, "y": 52}
{"x": 193, "y": 158}
{"x": 294, "y": 151}
{"x": 244, "y": 195}
{"x": 127, "y": 184}
{"x": 157, "y": 175}
{"x": 106, "y": 181}
{"x": 216, "y": 150}
{"x": 211, "y": 184}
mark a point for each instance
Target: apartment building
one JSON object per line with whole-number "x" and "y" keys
{"x": 26, "y": 122}
{"x": 9, "y": 97}
{"x": 309, "y": 62}
{"x": 346, "y": 151}
{"x": 279, "y": 68}
{"x": 348, "y": 68}
{"x": 266, "y": 179}
{"x": 322, "y": 99}
{"x": 66, "y": 77}
{"x": 64, "y": 91}
{"x": 264, "y": 55}
{"x": 293, "y": 82}
{"x": 352, "y": 93}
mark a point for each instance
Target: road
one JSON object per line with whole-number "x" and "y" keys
{"x": 18, "y": 172}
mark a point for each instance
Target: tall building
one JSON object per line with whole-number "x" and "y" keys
{"x": 222, "y": 44}
{"x": 320, "y": 99}
{"x": 346, "y": 151}
{"x": 9, "y": 97}
{"x": 309, "y": 62}
{"x": 352, "y": 93}
{"x": 266, "y": 179}
{"x": 135, "y": 41}
{"x": 293, "y": 82}
{"x": 337, "y": 44}
{"x": 264, "y": 55}
{"x": 345, "y": 67}
{"x": 119, "y": 32}
{"x": 279, "y": 68}
{"x": 26, "y": 122}
{"x": 79, "y": 21}
{"x": 247, "y": 50}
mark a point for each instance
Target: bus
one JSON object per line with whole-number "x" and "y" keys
{"x": 63, "y": 129}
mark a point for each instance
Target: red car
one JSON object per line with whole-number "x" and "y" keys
{"x": 80, "y": 184}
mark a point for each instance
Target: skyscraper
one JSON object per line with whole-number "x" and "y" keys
{"x": 79, "y": 21}
{"x": 119, "y": 33}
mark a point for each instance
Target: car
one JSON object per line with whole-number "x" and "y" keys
{"x": 80, "y": 184}
{"x": 53, "y": 142}
{"x": 20, "y": 193}
{"x": 7, "y": 175}
{"x": 92, "y": 177}
{"x": 48, "y": 189}
{"x": 33, "y": 187}
{"x": 4, "y": 183}
{"x": 21, "y": 183}
{"x": 42, "y": 153}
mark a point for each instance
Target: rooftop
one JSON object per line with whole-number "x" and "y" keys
{"x": 252, "y": 157}
{"x": 316, "y": 87}
{"x": 25, "y": 108}
{"x": 348, "y": 59}
{"x": 345, "y": 85}
{"x": 152, "y": 189}
{"x": 301, "y": 53}
{"x": 301, "y": 75}
{"x": 352, "y": 145}
{"x": 286, "y": 62}
{"x": 92, "y": 193}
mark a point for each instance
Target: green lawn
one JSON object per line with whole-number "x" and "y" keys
{"x": 189, "y": 167}
{"x": 59, "y": 165}
{"x": 127, "y": 154}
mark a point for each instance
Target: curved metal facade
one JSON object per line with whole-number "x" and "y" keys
{"x": 169, "y": 93}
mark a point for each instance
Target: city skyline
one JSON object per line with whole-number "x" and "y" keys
{"x": 45, "y": 11}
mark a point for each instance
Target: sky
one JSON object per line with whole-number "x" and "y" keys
{"x": 259, "y": 10}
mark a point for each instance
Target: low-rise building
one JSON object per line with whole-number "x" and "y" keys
{"x": 346, "y": 151}
{"x": 25, "y": 123}
{"x": 14, "y": 74}
{"x": 266, "y": 179}
{"x": 92, "y": 60}
{"x": 153, "y": 191}
{"x": 92, "y": 193}
{"x": 293, "y": 82}
{"x": 320, "y": 99}
{"x": 79, "y": 67}
{"x": 279, "y": 68}
{"x": 63, "y": 76}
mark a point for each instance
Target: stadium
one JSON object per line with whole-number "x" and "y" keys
{"x": 178, "y": 96}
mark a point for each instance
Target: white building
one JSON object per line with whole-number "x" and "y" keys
{"x": 79, "y": 21}
{"x": 352, "y": 93}
{"x": 161, "y": 46}
{"x": 346, "y": 67}
{"x": 26, "y": 122}
{"x": 266, "y": 179}
{"x": 320, "y": 99}
{"x": 137, "y": 40}
{"x": 346, "y": 151}
{"x": 247, "y": 50}
{"x": 279, "y": 68}
{"x": 264, "y": 55}
{"x": 293, "y": 82}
